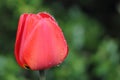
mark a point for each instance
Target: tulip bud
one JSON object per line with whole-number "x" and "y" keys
{"x": 40, "y": 43}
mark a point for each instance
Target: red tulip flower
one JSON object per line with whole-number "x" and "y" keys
{"x": 40, "y": 43}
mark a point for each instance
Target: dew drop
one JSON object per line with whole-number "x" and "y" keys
{"x": 58, "y": 65}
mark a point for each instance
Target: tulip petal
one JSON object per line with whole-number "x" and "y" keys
{"x": 45, "y": 47}
{"x": 40, "y": 43}
{"x": 31, "y": 20}
{"x": 46, "y": 15}
{"x": 19, "y": 36}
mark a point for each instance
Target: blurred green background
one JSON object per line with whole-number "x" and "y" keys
{"x": 91, "y": 28}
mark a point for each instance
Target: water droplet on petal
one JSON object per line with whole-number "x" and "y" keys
{"x": 58, "y": 65}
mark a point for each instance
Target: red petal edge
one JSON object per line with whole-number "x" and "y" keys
{"x": 46, "y": 15}
{"x": 19, "y": 37}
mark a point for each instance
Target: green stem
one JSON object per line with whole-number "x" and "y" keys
{"x": 42, "y": 75}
